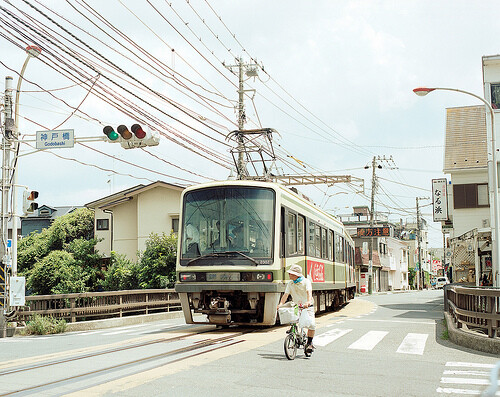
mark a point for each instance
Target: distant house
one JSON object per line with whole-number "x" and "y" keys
{"x": 43, "y": 217}
{"x": 389, "y": 255}
{"x": 125, "y": 220}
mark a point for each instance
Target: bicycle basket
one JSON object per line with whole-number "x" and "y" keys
{"x": 288, "y": 314}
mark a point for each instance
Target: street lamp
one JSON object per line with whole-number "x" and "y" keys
{"x": 493, "y": 176}
{"x": 32, "y": 51}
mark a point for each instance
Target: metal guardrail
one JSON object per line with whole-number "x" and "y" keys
{"x": 99, "y": 305}
{"x": 478, "y": 309}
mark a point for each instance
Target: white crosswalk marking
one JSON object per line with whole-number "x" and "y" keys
{"x": 465, "y": 381}
{"x": 329, "y": 336}
{"x": 369, "y": 340}
{"x": 413, "y": 344}
{"x": 469, "y": 365}
{"x": 470, "y": 374}
{"x": 449, "y": 390}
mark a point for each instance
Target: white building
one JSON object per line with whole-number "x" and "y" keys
{"x": 125, "y": 220}
{"x": 466, "y": 162}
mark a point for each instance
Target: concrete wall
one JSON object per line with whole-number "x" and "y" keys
{"x": 125, "y": 228}
{"x": 155, "y": 210}
{"x": 103, "y": 246}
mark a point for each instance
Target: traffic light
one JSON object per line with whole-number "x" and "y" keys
{"x": 29, "y": 205}
{"x": 110, "y": 133}
{"x": 139, "y": 138}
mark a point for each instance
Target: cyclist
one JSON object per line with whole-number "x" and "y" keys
{"x": 301, "y": 290}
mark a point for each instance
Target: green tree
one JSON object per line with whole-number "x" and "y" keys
{"x": 157, "y": 262}
{"x": 57, "y": 273}
{"x": 75, "y": 225}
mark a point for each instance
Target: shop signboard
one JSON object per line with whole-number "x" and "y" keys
{"x": 439, "y": 200}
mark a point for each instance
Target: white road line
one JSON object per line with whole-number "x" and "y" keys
{"x": 369, "y": 340}
{"x": 393, "y": 321}
{"x": 468, "y": 365}
{"x": 413, "y": 344}
{"x": 471, "y": 373}
{"x": 466, "y": 381}
{"x": 329, "y": 336}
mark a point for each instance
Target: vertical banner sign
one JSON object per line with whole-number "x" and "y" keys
{"x": 439, "y": 200}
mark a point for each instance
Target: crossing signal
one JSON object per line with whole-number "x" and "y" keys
{"x": 129, "y": 140}
{"x": 29, "y": 197}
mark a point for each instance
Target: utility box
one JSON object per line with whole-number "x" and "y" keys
{"x": 17, "y": 288}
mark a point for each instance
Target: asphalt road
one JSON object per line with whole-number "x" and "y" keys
{"x": 379, "y": 345}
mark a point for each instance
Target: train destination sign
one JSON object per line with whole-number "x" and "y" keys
{"x": 374, "y": 231}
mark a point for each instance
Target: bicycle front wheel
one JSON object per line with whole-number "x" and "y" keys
{"x": 290, "y": 346}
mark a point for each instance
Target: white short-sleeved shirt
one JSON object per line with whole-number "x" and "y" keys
{"x": 299, "y": 290}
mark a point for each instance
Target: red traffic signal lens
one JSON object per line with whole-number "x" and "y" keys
{"x": 124, "y": 132}
{"x": 33, "y": 195}
{"x": 110, "y": 133}
{"x": 138, "y": 131}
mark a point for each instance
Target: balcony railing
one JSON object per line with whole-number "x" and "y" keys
{"x": 98, "y": 305}
{"x": 476, "y": 309}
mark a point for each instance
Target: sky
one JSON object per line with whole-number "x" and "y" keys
{"x": 335, "y": 80}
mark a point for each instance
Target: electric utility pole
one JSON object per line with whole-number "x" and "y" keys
{"x": 8, "y": 131}
{"x": 248, "y": 70}
{"x": 375, "y": 164}
{"x": 420, "y": 278}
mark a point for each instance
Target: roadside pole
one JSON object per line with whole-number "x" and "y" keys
{"x": 8, "y": 131}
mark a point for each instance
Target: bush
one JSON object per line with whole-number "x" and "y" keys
{"x": 40, "y": 325}
{"x": 122, "y": 274}
{"x": 157, "y": 262}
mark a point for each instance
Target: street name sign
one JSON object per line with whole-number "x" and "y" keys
{"x": 55, "y": 139}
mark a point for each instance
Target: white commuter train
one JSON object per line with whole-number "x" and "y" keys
{"x": 238, "y": 238}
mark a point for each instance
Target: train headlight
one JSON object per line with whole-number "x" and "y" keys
{"x": 187, "y": 277}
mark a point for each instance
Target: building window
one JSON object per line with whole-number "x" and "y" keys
{"x": 175, "y": 225}
{"x": 495, "y": 96}
{"x": 470, "y": 195}
{"x": 102, "y": 224}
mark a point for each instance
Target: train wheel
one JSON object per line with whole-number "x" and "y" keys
{"x": 290, "y": 347}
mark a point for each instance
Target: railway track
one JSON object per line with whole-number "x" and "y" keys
{"x": 16, "y": 380}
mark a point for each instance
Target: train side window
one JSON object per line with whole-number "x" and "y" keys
{"x": 324, "y": 244}
{"x": 337, "y": 248}
{"x": 317, "y": 241}
{"x": 330, "y": 245}
{"x": 291, "y": 234}
{"x": 301, "y": 238}
{"x": 343, "y": 250}
{"x": 310, "y": 240}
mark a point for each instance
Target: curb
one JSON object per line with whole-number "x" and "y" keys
{"x": 471, "y": 340}
{"x": 117, "y": 322}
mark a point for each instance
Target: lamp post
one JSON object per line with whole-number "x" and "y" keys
{"x": 32, "y": 51}
{"x": 493, "y": 176}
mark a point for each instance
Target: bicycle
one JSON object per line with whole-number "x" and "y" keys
{"x": 296, "y": 337}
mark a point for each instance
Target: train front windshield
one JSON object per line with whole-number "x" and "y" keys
{"x": 230, "y": 224}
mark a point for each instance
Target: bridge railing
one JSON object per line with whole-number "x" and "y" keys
{"x": 478, "y": 309}
{"x": 99, "y": 305}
